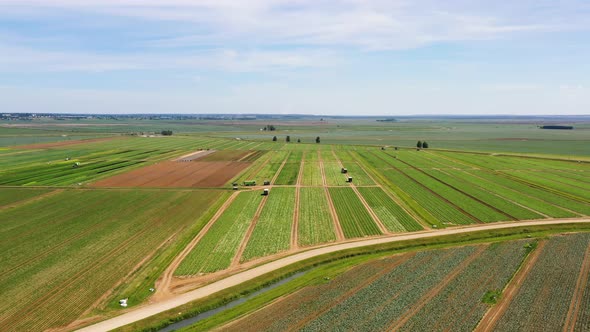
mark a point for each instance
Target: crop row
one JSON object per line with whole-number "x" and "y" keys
{"x": 272, "y": 233}
{"x": 542, "y": 302}
{"x": 547, "y": 196}
{"x": 391, "y": 215}
{"x": 554, "y": 182}
{"x": 510, "y": 208}
{"x": 353, "y": 217}
{"x": 219, "y": 245}
{"x": 315, "y": 223}
{"x": 511, "y": 194}
{"x": 62, "y": 253}
{"x": 383, "y": 301}
{"x": 459, "y": 306}
{"x": 471, "y": 206}
{"x": 13, "y": 195}
{"x": 334, "y": 177}
{"x": 312, "y": 174}
{"x": 433, "y": 204}
{"x": 288, "y": 175}
{"x": 359, "y": 176}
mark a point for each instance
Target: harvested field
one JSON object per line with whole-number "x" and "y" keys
{"x": 178, "y": 174}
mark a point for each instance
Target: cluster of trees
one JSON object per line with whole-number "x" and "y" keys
{"x": 422, "y": 145}
{"x": 288, "y": 139}
{"x": 166, "y": 132}
{"x": 269, "y": 128}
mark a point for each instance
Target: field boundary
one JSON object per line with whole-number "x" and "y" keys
{"x": 264, "y": 269}
{"x": 236, "y": 260}
{"x": 576, "y": 303}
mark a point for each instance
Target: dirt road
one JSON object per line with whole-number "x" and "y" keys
{"x": 236, "y": 279}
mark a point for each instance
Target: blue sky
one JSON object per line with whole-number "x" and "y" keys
{"x": 315, "y": 57}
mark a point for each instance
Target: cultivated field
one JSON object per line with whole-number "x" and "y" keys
{"x": 442, "y": 290}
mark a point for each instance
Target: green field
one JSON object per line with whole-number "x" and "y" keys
{"x": 272, "y": 233}
{"x": 62, "y": 253}
{"x": 312, "y": 174}
{"x": 354, "y": 218}
{"x": 315, "y": 222}
{"x": 391, "y": 215}
{"x": 10, "y": 196}
{"x": 220, "y": 244}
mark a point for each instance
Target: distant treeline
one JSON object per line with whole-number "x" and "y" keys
{"x": 556, "y": 127}
{"x": 387, "y": 120}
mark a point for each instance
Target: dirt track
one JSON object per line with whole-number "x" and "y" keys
{"x": 155, "y": 308}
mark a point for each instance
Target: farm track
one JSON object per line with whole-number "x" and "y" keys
{"x": 425, "y": 299}
{"x": 236, "y": 260}
{"x": 274, "y": 178}
{"x": 259, "y": 270}
{"x": 31, "y": 200}
{"x": 581, "y": 284}
{"x": 490, "y": 319}
{"x": 164, "y": 282}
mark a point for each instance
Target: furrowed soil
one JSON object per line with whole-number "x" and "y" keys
{"x": 199, "y": 174}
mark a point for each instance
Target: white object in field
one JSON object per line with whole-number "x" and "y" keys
{"x": 123, "y": 302}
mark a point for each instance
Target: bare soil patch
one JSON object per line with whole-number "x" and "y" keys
{"x": 194, "y": 174}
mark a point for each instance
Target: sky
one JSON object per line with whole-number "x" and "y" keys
{"x": 349, "y": 57}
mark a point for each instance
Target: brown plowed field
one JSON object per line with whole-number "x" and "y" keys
{"x": 177, "y": 174}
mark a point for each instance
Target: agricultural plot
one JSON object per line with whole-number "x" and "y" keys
{"x": 554, "y": 182}
{"x": 16, "y": 195}
{"x": 311, "y": 156}
{"x": 62, "y": 253}
{"x": 315, "y": 221}
{"x": 178, "y": 174}
{"x": 353, "y": 217}
{"x": 289, "y": 174}
{"x": 334, "y": 177}
{"x": 436, "y": 206}
{"x": 220, "y": 244}
{"x": 359, "y": 176}
{"x": 391, "y": 215}
{"x": 515, "y": 196}
{"x": 312, "y": 174}
{"x": 544, "y": 195}
{"x": 328, "y": 156}
{"x": 272, "y": 233}
{"x": 543, "y": 301}
{"x": 477, "y": 210}
{"x": 511, "y": 209}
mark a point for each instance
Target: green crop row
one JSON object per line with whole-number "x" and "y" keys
{"x": 510, "y": 208}
{"x": 312, "y": 174}
{"x": 353, "y": 217}
{"x": 391, "y": 215}
{"x": 437, "y": 207}
{"x": 14, "y": 195}
{"x": 272, "y": 233}
{"x": 554, "y": 182}
{"x": 288, "y": 175}
{"x": 315, "y": 223}
{"x": 459, "y": 199}
{"x": 61, "y": 254}
{"x": 219, "y": 245}
{"x": 542, "y": 302}
{"x": 334, "y": 176}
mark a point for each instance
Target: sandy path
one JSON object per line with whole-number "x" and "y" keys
{"x": 370, "y": 210}
{"x": 31, "y": 200}
{"x": 163, "y": 283}
{"x": 490, "y": 319}
{"x": 581, "y": 284}
{"x": 236, "y": 279}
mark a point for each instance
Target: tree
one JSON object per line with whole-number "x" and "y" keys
{"x": 288, "y": 139}
{"x": 298, "y": 140}
{"x": 419, "y": 144}
{"x": 317, "y": 139}
{"x": 425, "y": 145}
{"x": 274, "y": 139}
{"x": 166, "y": 132}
